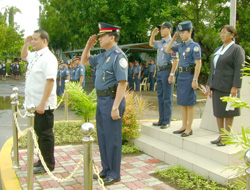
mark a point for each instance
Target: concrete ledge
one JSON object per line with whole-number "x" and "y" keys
{"x": 9, "y": 179}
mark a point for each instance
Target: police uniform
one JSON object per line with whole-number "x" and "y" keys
{"x": 64, "y": 74}
{"x": 152, "y": 68}
{"x": 145, "y": 72}
{"x": 188, "y": 53}
{"x": 72, "y": 74}
{"x": 82, "y": 73}
{"x": 58, "y": 88}
{"x": 112, "y": 67}
{"x": 130, "y": 78}
{"x": 136, "y": 70}
{"x": 164, "y": 89}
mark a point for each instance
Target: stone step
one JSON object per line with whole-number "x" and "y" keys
{"x": 198, "y": 143}
{"x": 175, "y": 155}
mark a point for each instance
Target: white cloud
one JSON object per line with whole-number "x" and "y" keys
{"x": 28, "y": 19}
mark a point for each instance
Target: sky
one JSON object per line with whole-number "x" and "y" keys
{"x": 28, "y": 19}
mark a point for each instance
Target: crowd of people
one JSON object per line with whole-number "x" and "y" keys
{"x": 112, "y": 70}
{"x": 137, "y": 72}
{"x": 70, "y": 70}
{"x": 14, "y": 70}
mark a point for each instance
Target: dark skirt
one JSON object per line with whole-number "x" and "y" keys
{"x": 186, "y": 95}
{"x": 219, "y": 107}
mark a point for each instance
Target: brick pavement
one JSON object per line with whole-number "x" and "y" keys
{"x": 135, "y": 171}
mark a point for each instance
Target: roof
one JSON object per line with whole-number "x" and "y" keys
{"x": 127, "y": 48}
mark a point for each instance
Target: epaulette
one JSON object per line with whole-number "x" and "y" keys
{"x": 117, "y": 51}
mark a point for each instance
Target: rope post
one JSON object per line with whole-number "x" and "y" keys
{"x": 30, "y": 146}
{"x": 14, "y": 102}
{"x": 87, "y": 129}
{"x": 66, "y": 96}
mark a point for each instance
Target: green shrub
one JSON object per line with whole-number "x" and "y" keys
{"x": 187, "y": 180}
{"x": 127, "y": 148}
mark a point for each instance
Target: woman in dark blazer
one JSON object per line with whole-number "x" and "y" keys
{"x": 225, "y": 78}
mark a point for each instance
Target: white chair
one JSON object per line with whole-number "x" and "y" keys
{"x": 144, "y": 84}
{"x": 155, "y": 86}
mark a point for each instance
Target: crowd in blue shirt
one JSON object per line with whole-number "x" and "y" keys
{"x": 138, "y": 71}
{"x": 70, "y": 70}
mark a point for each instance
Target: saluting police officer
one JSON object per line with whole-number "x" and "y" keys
{"x": 165, "y": 74}
{"x": 189, "y": 70}
{"x": 111, "y": 77}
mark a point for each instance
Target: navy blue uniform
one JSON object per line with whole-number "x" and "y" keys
{"x": 130, "y": 78}
{"x": 136, "y": 70}
{"x": 58, "y": 88}
{"x": 152, "y": 68}
{"x": 164, "y": 89}
{"x": 112, "y": 67}
{"x": 188, "y": 52}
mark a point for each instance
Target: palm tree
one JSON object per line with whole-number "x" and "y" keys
{"x": 10, "y": 12}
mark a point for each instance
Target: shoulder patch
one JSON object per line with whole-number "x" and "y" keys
{"x": 123, "y": 62}
{"x": 196, "y": 48}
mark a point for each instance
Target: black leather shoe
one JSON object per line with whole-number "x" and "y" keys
{"x": 179, "y": 131}
{"x": 39, "y": 170}
{"x": 157, "y": 124}
{"x": 186, "y": 134}
{"x": 110, "y": 181}
{"x": 101, "y": 176}
{"x": 215, "y": 141}
{"x": 164, "y": 126}
{"x": 220, "y": 144}
{"x": 37, "y": 164}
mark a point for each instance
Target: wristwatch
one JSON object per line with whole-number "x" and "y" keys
{"x": 194, "y": 79}
{"x": 171, "y": 74}
{"x": 114, "y": 108}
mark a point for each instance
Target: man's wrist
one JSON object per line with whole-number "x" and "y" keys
{"x": 114, "y": 108}
{"x": 194, "y": 79}
{"x": 171, "y": 74}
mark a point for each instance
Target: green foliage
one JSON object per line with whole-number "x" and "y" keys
{"x": 65, "y": 133}
{"x": 84, "y": 104}
{"x": 185, "y": 179}
{"x": 127, "y": 148}
{"x": 11, "y": 39}
{"x": 134, "y": 106}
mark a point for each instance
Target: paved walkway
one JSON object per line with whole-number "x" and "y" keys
{"x": 135, "y": 171}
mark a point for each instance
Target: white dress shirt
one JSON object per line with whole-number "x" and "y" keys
{"x": 42, "y": 66}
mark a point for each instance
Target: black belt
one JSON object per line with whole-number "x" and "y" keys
{"x": 163, "y": 68}
{"x": 103, "y": 93}
{"x": 184, "y": 69}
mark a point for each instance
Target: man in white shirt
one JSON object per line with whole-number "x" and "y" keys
{"x": 40, "y": 90}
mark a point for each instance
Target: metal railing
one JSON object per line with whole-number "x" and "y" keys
{"x": 87, "y": 159}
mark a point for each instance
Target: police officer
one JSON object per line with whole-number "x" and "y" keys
{"x": 189, "y": 70}
{"x": 165, "y": 74}
{"x": 111, "y": 77}
{"x": 130, "y": 76}
{"x": 145, "y": 73}
{"x": 65, "y": 75}
{"x": 58, "y": 80}
{"x": 79, "y": 72}
{"x": 137, "y": 75}
{"x": 152, "y": 74}
{"x": 72, "y": 71}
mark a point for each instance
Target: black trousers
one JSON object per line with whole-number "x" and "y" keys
{"x": 44, "y": 129}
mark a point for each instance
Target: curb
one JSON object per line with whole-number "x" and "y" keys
{"x": 9, "y": 179}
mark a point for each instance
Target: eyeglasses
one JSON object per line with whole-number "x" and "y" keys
{"x": 222, "y": 33}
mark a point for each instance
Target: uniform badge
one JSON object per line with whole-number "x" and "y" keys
{"x": 188, "y": 49}
{"x": 100, "y": 26}
{"x": 123, "y": 63}
{"x": 180, "y": 27}
{"x": 196, "y": 48}
{"x": 108, "y": 60}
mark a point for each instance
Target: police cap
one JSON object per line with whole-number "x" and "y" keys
{"x": 186, "y": 25}
{"x": 76, "y": 58}
{"x": 105, "y": 28}
{"x": 166, "y": 25}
